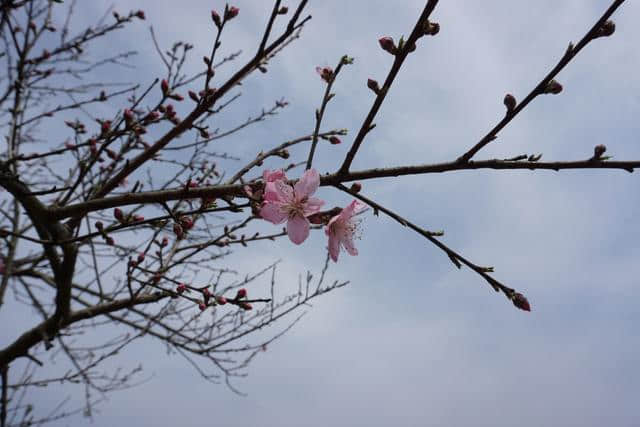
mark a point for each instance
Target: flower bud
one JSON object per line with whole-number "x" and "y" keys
{"x": 242, "y": 293}
{"x": 386, "y": 43}
{"x": 110, "y": 241}
{"x": 334, "y": 140}
{"x": 221, "y": 300}
{"x": 283, "y": 10}
{"x": 181, "y": 288}
{"x": 607, "y": 29}
{"x": 509, "y": 102}
{"x": 165, "y": 242}
{"x": 231, "y": 13}
{"x": 599, "y": 150}
{"x": 128, "y": 115}
{"x": 117, "y": 214}
{"x": 164, "y": 85}
{"x": 520, "y": 301}
{"x": 216, "y": 18}
{"x": 553, "y": 87}
{"x": 99, "y": 225}
{"x": 245, "y": 306}
{"x": 194, "y": 96}
{"x": 105, "y": 126}
{"x": 202, "y": 306}
{"x": 373, "y": 85}
{"x": 140, "y": 14}
{"x": 140, "y": 257}
{"x": 356, "y": 187}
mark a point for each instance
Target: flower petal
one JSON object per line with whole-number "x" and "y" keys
{"x": 334, "y": 245}
{"x": 273, "y": 213}
{"x": 312, "y": 206}
{"x": 298, "y": 229}
{"x": 271, "y": 193}
{"x": 308, "y": 184}
{"x": 284, "y": 191}
{"x": 351, "y": 209}
{"x": 270, "y": 176}
{"x": 347, "y": 242}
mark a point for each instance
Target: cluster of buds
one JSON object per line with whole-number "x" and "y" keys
{"x": 229, "y": 14}
{"x": 137, "y": 261}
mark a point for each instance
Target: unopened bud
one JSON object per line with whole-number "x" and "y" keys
{"x": 373, "y": 85}
{"x": 117, "y": 214}
{"x": 140, "y": 14}
{"x": 334, "y": 140}
{"x": 140, "y": 257}
{"x": 553, "y": 87}
{"x": 181, "y": 288}
{"x": 164, "y": 85}
{"x": 599, "y": 150}
{"x": 509, "y": 102}
{"x": 607, "y": 29}
{"x": 216, "y": 18}
{"x": 386, "y": 43}
{"x": 283, "y": 10}
{"x": 242, "y": 293}
{"x": 221, "y": 300}
{"x": 231, "y": 13}
{"x": 521, "y": 302}
{"x": 245, "y": 306}
{"x": 356, "y": 187}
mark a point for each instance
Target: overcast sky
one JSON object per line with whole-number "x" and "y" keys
{"x": 412, "y": 340}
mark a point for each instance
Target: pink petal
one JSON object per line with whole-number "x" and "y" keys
{"x": 271, "y": 192}
{"x": 352, "y": 208}
{"x": 334, "y": 245}
{"x": 270, "y": 176}
{"x": 273, "y": 213}
{"x": 308, "y": 184}
{"x": 312, "y": 206}
{"x": 347, "y": 242}
{"x": 284, "y": 191}
{"x": 298, "y": 229}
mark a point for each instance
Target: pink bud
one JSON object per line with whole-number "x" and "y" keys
{"x": 553, "y": 87}
{"x": 140, "y": 257}
{"x": 216, "y": 18}
{"x": 128, "y": 115}
{"x": 231, "y": 13}
{"x": 334, "y": 140}
{"x": 106, "y": 125}
{"x": 202, "y": 306}
{"x": 509, "y": 102}
{"x": 165, "y": 242}
{"x": 110, "y": 241}
{"x": 221, "y": 300}
{"x": 386, "y": 43}
{"x": 164, "y": 85}
{"x": 117, "y": 214}
{"x": 521, "y": 302}
{"x": 181, "y": 288}
{"x": 241, "y": 293}
{"x": 140, "y": 14}
{"x": 245, "y": 306}
{"x": 326, "y": 73}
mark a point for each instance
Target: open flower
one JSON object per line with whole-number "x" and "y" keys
{"x": 342, "y": 229}
{"x": 282, "y": 202}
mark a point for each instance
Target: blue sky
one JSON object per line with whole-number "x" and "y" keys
{"x": 412, "y": 340}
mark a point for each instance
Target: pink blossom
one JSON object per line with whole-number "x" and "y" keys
{"x": 282, "y": 202}
{"x": 342, "y": 229}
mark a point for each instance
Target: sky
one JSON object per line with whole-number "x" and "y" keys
{"x": 412, "y": 340}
